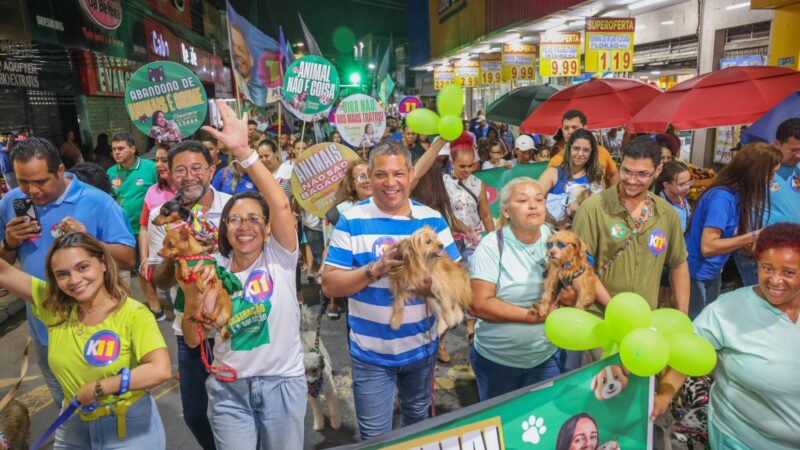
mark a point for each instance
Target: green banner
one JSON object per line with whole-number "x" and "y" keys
{"x": 596, "y": 407}
{"x": 166, "y": 101}
{"x": 310, "y": 86}
{"x": 495, "y": 179}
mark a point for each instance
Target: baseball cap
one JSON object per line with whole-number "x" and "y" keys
{"x": 524, "y": 143}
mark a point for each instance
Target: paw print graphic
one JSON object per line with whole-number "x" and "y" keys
{"x": 533, "y": 429}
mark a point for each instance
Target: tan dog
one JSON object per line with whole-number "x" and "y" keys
{"x": 180, "y": 245}
{"x": 15, "y": 424}
{"x": 318, "y": 365}
{"x": 610, "y": 382}
{"x": 566, "y": 266}
{"x": 424, "y": 259}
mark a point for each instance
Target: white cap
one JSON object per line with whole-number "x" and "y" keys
{"x": 524, "y": 143}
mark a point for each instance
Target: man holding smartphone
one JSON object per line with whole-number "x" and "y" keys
{"x": 49, "y": 203}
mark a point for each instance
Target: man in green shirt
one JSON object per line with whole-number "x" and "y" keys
{"x": 633, "y": 233}
{"x": 131, "y": 177}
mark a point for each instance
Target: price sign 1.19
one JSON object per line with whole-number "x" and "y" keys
{"x": 616, "y": 60}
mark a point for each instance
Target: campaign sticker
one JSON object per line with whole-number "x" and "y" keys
{"x": 116, "y": 182}
{"x": 794, "y": 182}
{"x": 657, "y": 242}
{"x": 139, "y": 182}
{"x": 102, "y": 348}
{"x": 618, "y": 230}
{"x": 381, "y": 245}
{"x": 774, "y": 187}
{"x": 258, "y": 288}
{"x": 55, "y": 231}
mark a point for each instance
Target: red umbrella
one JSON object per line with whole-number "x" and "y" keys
{"x": 732, "y": 96}
{"x": 607, "y": 103}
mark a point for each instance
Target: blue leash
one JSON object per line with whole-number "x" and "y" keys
{"x": 73, "y": 406}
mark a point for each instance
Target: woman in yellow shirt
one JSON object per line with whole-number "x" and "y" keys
{"x": 106, "y": 349}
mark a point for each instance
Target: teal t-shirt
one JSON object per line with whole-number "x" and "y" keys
{"x": 784, "y": 196}
{"x": 129, "y": 187}
{"x": 519, "y": 278}
{"x": 756, "y": 395}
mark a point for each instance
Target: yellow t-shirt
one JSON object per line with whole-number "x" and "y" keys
{"x": 79, "y": 354}
{"x": 603, "y": 158}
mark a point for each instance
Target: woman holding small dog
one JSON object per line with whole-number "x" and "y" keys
{"x": 266, "y": 403}
{"x": 510, "y": 349}
{"x": 109, "y": 347}
{"x": 755, "y": 331}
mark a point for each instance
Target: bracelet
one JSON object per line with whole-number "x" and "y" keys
{"x": 125, "y": 381}
{"x": 244, "y": 164}
{"x": 8, "y": 247}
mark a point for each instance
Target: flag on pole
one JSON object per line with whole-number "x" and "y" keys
{"x": 495, "y": 179}
{"x": 311, "y": 44}
{"x": 256, "y": 60}
{"x": 286, "y": 51}
{"x": 385, "y": 89}
{"x": 383, "y": 82}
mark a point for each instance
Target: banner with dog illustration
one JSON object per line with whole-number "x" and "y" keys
{"x": 310, "y": 86}
{"x": 166, "y": 101}
{"x": 317, "y": 174}
{"x": 495, "y": 179}
{"x": 599, "y": 406}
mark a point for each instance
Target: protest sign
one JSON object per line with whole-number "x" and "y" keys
{"x": 609, "y": 44}
{"x": 361, "y": 120}
{"x": 166, "y": 101}
{"x": 559, "y": 54}
{"x": 310, "y": 86}
{"x": 317, "y": 174}
{"x": 601, "y": 404}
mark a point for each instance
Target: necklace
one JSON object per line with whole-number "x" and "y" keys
{"x": 96, "y": 308}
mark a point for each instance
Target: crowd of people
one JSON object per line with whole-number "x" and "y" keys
{"x": 624, "y": 197}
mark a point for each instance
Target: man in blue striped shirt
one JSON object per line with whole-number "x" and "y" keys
{"x": 361, "y": 253}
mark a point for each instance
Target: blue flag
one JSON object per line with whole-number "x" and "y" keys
{"x": 256, "y": 60}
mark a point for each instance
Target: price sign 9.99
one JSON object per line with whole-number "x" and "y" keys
{"x": 560, "y": 54}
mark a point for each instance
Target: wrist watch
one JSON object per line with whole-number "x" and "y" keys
{"x": 98, "y": 390}
{"x": 370, "y": 275}
{"x": 244, "y": 164}
{"x": 7, "y": 246}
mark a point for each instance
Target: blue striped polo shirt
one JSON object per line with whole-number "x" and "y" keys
{"x": 361, "y": 236}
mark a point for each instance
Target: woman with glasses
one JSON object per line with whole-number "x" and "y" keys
{"x": 266, "y": 401}
{"x": 578, "y": 172}
{"x": 729, "y": 216}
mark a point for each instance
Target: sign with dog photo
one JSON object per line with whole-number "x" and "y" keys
{"x": 600, "y": 406}
{"x": 317, "y": 174}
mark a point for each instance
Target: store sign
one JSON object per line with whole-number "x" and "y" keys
{"x": 310, "y": 86}
{"x": 360, "y": 120}
{"x": 518, "y": 62}
{"x": 162, "y": 44}
{"x": 158, "y": 44}
{"x": 560, "y": 54}
{"x": 609, "y": 44}
{"x": 467, "y": 73}
{"x": 454, "y": 23}
{"x": 22, "y": 74}
{"x": 103, "y": 75}
{"x": 188, "y": 55}
{"x": 491, "y": 66}
{"x": 103, "y": 13}
{"x": 725, "y": 141}
{"x": 443, "y": 76}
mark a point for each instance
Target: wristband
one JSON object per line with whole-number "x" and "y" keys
{"x": 244, "y": 164}
{"x": 125, "y": 381}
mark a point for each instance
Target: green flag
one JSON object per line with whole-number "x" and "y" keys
{"x": 386, "y": 88}
{"x": 495, "y": 179}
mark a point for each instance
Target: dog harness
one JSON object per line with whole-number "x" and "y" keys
{"x": 192, "y": 261}
{"x": 4, "y": 445}
{"x": 566, "y": 281}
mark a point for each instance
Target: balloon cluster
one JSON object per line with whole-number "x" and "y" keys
{"x": 450, "y": 103}
{"x": 647, "y": 341}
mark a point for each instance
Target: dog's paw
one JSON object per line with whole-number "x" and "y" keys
{"x": 533, "y": 429}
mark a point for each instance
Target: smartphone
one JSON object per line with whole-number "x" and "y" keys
{"x": 214, "y": 117}
{"x": 25, "y": 207}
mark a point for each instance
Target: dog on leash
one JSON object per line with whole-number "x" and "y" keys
{"x": 424, "y": 259}
{"x": 181, "y": 245}
{"x": 15, "y": 424}
{"x": 319, "y": 375}
{"x": 567, "y": 265}
{"x": 610, "y": 382}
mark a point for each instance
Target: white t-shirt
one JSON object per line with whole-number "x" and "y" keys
{"x": 265, "y": 323}
{"x": 155, "y": 236}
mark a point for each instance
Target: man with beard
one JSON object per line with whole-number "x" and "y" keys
{"x": 191, "y": 165}
{"x": 632, "y": 233}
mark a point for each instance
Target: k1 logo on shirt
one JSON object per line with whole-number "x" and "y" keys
{"x": 102, "y": 348}
{"x": 381, "y": 245}
{"x": 258, "y": 288}
{"x": 657, "y": 242}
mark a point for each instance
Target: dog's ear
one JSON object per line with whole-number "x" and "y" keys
{"x": 402, "y": 249}
{"x": 184, "y": 233}
{"x": 595, "y": 381}
{"x": 623, "y": 370}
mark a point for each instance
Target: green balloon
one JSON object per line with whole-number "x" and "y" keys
{"x": 691, "y": 355}
{"x": 450, "y": 101}
{"x": 573, "y": 329}
{"x": 644, "y": 352}
{"x": 423, "y": 121}
{"x": 668, "y": 320}
{"x": 625, "y": 312}
{"x": 450, "y": 128}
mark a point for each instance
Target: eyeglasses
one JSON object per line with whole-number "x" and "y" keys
{"x": 558, "y": 245}
{"x": 253, "y": 219}
{"x": 640, "y": 175}
{"x": 363, "y": 178}
{"x": 196, "y": 169}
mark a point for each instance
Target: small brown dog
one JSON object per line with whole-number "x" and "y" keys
{"x": 15, "y": 424}
{"x": 180, "y": 245}
{"x": 424, "y": 259}
{"x": 566, "y": 266}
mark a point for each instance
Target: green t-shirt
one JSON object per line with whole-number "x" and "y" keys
{"x": 756, "y": 393}
{"x": 129, "y": 186}
{"x": 604, "y": 225}
{"x": 519, "y": 280}
{"x": 79, "y": 353}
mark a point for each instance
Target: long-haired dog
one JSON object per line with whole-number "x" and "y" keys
{"x": 567, "y": 265}
{"x": 424, "y": 259}
{"x": 318, "y": 370}
{"x": 15, "y": 424}
{"x": 181, "y": 245}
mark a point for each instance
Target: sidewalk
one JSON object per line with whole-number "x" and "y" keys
{"x": 9, "y": 305}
